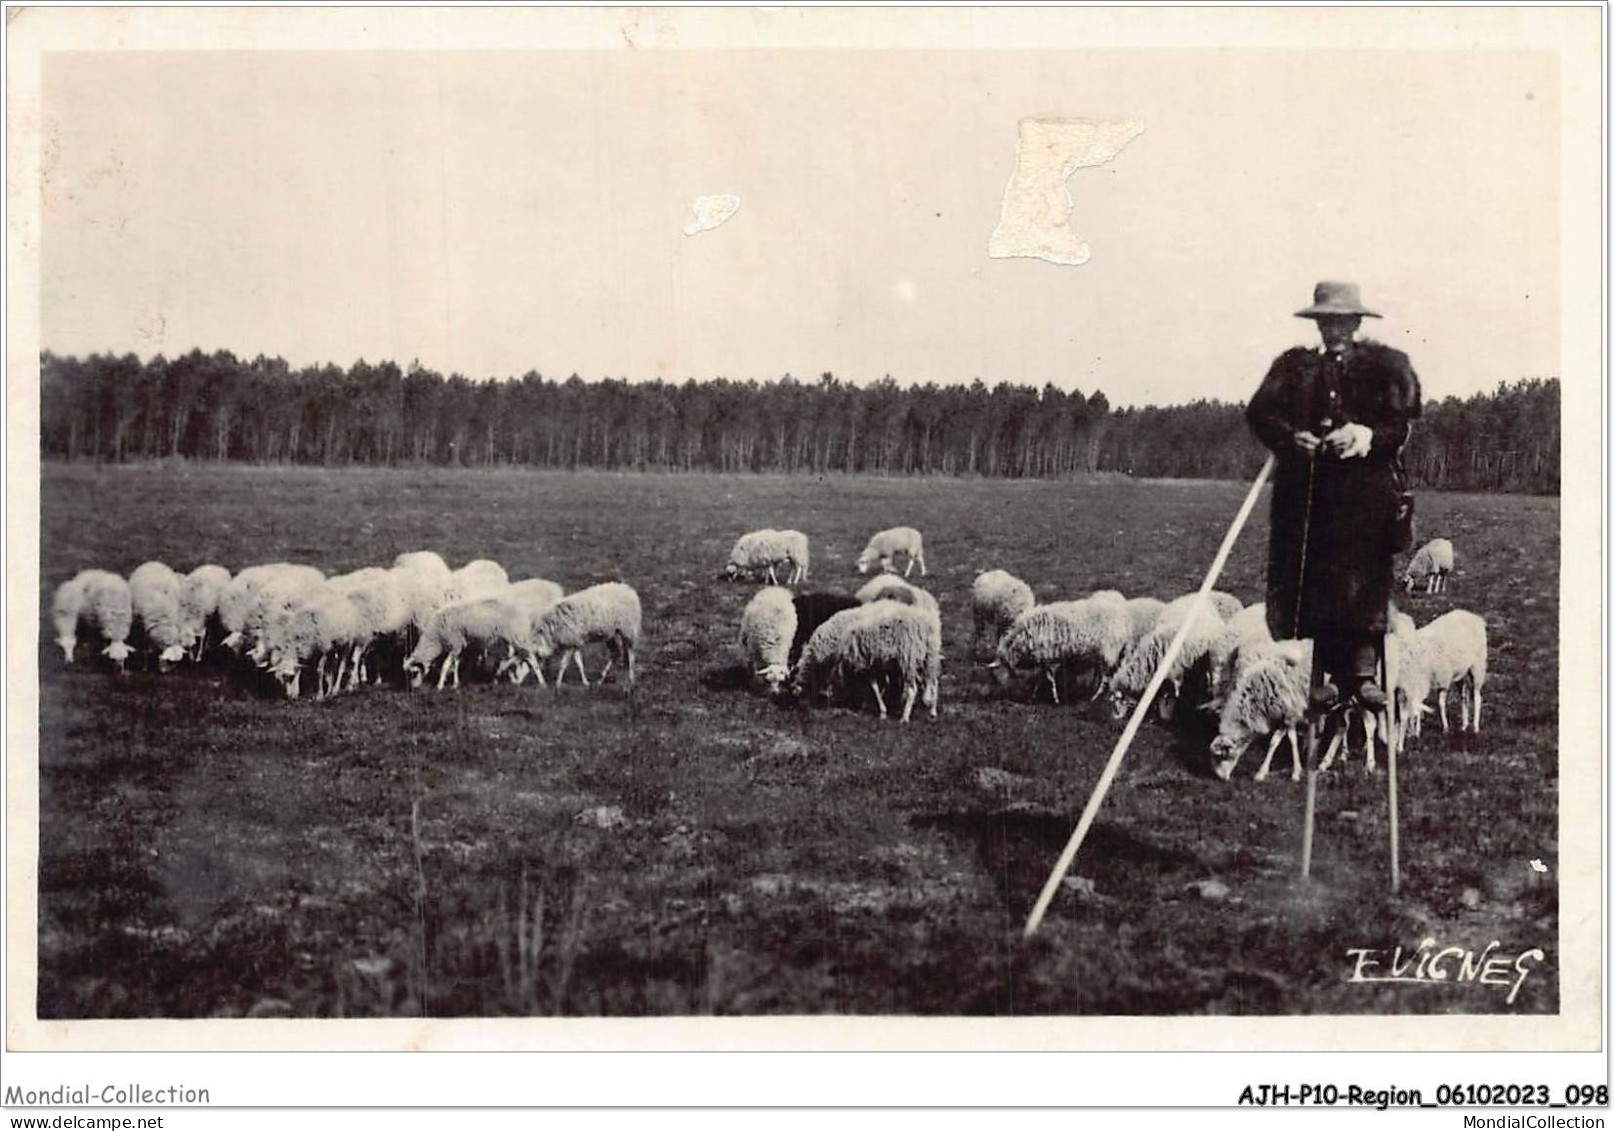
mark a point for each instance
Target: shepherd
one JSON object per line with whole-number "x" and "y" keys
{"x": 1336, "y": 419}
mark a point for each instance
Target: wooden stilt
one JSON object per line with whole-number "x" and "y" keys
{"x": 1390, "y": 768}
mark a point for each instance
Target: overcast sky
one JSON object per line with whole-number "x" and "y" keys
{"x": 494, "y": 212}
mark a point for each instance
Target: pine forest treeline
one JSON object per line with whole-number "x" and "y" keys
{"x": 217, "y": 407}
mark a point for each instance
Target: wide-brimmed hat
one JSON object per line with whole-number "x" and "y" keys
{"x": 1336, "y": 298}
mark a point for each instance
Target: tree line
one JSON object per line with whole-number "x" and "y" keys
{"x": 215, "y": 406}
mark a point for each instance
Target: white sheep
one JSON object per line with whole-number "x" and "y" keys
{"x": 1269, "y": 697}
{"x": 609, "y": 612}
{"x": 316, "y": 625}
{"x": 883, "y": 639}
{"x": 890, "y": 587}
{"x": 764, "y": 551}
{"x": 381, "y": 605}
{"x": 154, "y": 591}
{"x": 482, "y": 621}
{"x": 1432, "y": 564}
{"x": 996, "y": 598}
{"x": 1244, "y": 631}
{"x": 199, "y": 594}
{"x": 275, "y": 599}
{"x": 239, "y": 598}
{"x": 1450, "y": 651}
{"x": 1138, "y": 665}
{"x": 424, "y": 561}
{"x": 767, "y": 627}
{"x": 796, "y": 553}
{"x": 534, "y": 595}
{"x": 1087, "y": 634}
{"x": 99, "y": 602}
{"x": 887, "y": 544}
{"x": 1142, "y": 613}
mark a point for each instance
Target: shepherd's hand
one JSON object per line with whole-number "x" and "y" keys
{"x": 1307, "y": 442}
{"x": 1349, "y": 441}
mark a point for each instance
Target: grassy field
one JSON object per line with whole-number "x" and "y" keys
{"x": 695, "y": 849}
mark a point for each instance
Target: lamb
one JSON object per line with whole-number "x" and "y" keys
{"x": 889, "y": 587}
{"x": 887, "y": 544}
{"x": 199, "y": 594}
{"x": 154, "y": 591}
{"x": 762, "y": 551}
{"x": 767, "y": 628}
{"x": 313, "y": 626}
{"x": 1432, "y": 565}
{"x": 1138, "y": 666}
{"x": 608, "y": 612}
{"x": 242, "y": 594}
{"x": 1269, "y": 697}
{"x": 996, "y": 599}
{"x": 481, "y": 621}
{"x": 882, "y": 639}
{"x": 812, "y": 610}
{"x": 1089, "y": 634}
{"x": 99, "y": 602}
{"x": 1450, "y": 651}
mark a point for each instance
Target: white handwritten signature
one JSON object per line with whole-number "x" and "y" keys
{"x": 1433, "y": 964}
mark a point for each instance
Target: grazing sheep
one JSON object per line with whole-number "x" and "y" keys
{"x": 887, "y": 544}
{"x": 608, "y": 612}
{"x": 763, "y": 551}
{"x": 889, "y": 587}
{"x": 245, "y": 590}
{"x": 1245, "y": 630}
{"x": 996, "y": 598}
{"x": 314, "y": 626}
{"x": 884, "y": 639}
{"x": 275, "y": 599}
{"x": 1138, "y": 666}
{"x": 199, "y": 594}
{"x": 1142, "y": 613}
{"x": 1451, "y": 652}
{"x": 1087, "y": 634}
{"x": 812, "y": 610}
{"x": 533, "y": 596}
{"x": 481, "y": 621}
{"x": 424, "y": 561}
{"x": 98, "y": 602}
{"x": 481, "y": 578}
{"x": 154, "y": 591}
{"x": 380, "y": 600}
{"x": 1269, "y": 697}
{"x": 796, "y": 553}
{"x": 1432, "y": 565}
{"x": 767, "y": 628}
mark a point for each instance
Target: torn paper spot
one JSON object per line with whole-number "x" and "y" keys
{"x": 712, "y": 212}
{"x": 1037, "y": 205}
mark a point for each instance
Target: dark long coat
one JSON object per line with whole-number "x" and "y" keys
{"x": 1330, "y": 565}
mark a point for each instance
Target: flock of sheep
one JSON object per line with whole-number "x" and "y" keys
{"x": 889, "y": 635}
{"x": 418, "y": 615}
{"x": 290, "y": 619}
